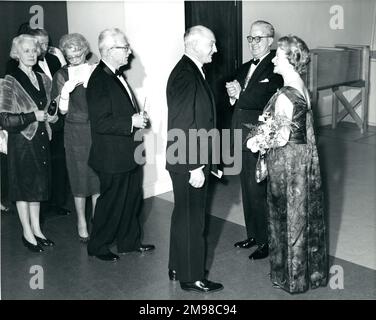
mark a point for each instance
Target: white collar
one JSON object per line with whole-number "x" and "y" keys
{"x": 263, "y": 56}
{"x": 197, "y": 63}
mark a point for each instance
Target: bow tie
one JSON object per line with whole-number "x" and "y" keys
{"x": 118, "y": 72}
{"x": 255, "y": 61}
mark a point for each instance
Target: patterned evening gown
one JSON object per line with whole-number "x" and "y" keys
{"x": 297, "y": 233}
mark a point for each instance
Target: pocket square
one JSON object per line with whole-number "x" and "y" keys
{"x": 265, "y": 80}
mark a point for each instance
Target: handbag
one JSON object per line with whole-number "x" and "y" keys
{"x": 261, "y": 168}
{"x": 3, "y": 141}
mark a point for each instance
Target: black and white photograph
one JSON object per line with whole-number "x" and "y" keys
{"x": 190, "y": 156}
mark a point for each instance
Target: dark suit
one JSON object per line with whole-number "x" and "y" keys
{"x": 112, "y": 157}
{"x": 190, "y": 106}
{"x": 248, "y": 107}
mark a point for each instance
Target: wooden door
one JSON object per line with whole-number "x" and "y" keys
{"x": 224, "y": 18}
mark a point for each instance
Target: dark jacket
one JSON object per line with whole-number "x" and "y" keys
{"x": 261, "y": 87}
{"x": 110, "y": 113}
{"x": 190, "y": 106}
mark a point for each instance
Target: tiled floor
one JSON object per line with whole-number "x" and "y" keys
{"x": 348, "y": 164}
{"x": 348, "y": 161}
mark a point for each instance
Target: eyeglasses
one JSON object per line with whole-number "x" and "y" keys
{"x": 257, "y": 39}
{"x": 77, "y": 56}
{"x": 126, "y": 47}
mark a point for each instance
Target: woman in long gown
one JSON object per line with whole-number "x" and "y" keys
{"x": 71, "y": 97}
{"x": 297, "y": 232}
{"x": 26, "y": 93}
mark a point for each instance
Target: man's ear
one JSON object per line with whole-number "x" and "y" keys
{"x": 270, "y": 41}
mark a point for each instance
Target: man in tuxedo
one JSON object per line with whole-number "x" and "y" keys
{"x": 252, "y": 88}
{"x": 190, "y": 107}
{"x": 115, "y": 117}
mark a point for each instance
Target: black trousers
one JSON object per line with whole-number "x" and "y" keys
{"x": 116, "y": 214}
{"x": 254, "y": 199}
{"x": 187, "y": 242}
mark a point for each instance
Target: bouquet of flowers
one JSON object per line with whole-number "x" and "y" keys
{"x": 265, "y": 136}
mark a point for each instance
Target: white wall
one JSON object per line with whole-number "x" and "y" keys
{"x": 91, "y": 17}
{"x": 155, "y": 32}
{"x": 310, "y": 21}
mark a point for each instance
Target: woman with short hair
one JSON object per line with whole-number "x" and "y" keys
{"x": 297, "y": 231}
{"x": 27, "y": 93}
{"x": 70, "y": 93}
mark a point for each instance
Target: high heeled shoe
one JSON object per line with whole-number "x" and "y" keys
{"x": 84, "y": 239}
{"x": 32, "y": 247}
{"x": 44, "y": 242}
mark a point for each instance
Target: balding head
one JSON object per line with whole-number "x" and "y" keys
{"x": 199, "y": 42}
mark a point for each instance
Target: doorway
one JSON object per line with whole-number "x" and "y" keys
{"x": 224, "y": 18}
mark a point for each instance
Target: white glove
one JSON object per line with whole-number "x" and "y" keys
{"x": 252, "y": 144}
{"x": 68, "y": 87}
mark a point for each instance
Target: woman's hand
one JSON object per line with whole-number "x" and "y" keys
{"x": 69, "y": 87}
{"x": 52, "y": 119}
{"x": 40, "y": 115}
{"x": 252, "y": 144}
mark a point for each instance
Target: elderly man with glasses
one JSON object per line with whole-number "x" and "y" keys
{"x": 115, "y": 117}
{"x": 252, "y": 88}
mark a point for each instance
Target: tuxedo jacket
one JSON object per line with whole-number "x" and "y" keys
{"x": 190, "y": 106}
{"x": 110, "y": 113}
{"x": 261, "y": 87}
{"x": 52, "y": 61}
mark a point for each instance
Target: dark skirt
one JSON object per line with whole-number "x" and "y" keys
{"x": 77, "y": 140}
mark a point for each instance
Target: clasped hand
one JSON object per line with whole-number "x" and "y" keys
{"x": 42, "y": 116}
{"x": 233, "y": 89}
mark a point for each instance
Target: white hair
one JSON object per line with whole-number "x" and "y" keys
{"x": 17, "y": 42}
{"x": 106, "y": 39}
{"x": 195, "y": 33}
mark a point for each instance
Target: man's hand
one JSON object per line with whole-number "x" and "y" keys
{"x": 233, "y": 89}
{"x": 139, "y": 121}
{"x": 197, "y": 178}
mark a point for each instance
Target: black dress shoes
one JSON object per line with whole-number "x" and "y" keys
{"x": 172, "y": 275}
{"x": 107, "y": 256}
{"x": 146, "y": 247}
{"x": 261, "y": 252}
{"x": 203, "y": 286}
{"x": 32, "y": 247}
{"x": 44, "y": 242}
{"x": 246, "y": 244}
{"x": 142, "y": 248}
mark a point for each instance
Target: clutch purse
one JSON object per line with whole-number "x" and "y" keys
{"x": 52, "y": 108}
{"x": 261, "y": 168}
